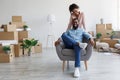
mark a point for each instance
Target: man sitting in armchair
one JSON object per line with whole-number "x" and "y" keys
{"x": 73, "y": 40}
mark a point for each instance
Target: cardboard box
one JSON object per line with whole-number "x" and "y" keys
{"x": 1, "y": 49}
{"x": 25, "y": 51}
{"x": 108, "y": 26}
{"x": 8, "y": 35}
{"x": 2, "y": 52}
{"x": 6, "y": 58}
{"x": 100, "y": 28}
{"x": 16, "y": 18}
{"x": 18, "y": 50}
{"x": 18, "y": 24}
{"x": 22, "y": 35}
{"x": 38, "y": 48}
{"x": 9, "y": 28}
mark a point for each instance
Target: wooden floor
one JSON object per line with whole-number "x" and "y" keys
{"x": 47, "y": 66}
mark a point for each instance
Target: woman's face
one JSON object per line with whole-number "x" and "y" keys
{"x": 76, "y": 11}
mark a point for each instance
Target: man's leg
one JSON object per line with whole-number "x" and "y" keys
{"x": 68, "y": 41}
{"x": 77, "y": 51}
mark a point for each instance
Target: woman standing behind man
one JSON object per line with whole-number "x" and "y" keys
{"x": 75, "y": 13}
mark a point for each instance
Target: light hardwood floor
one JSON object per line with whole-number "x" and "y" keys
{"x": 47, "y": 66}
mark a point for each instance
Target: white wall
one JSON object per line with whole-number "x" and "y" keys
{"x": 35, "y": 13}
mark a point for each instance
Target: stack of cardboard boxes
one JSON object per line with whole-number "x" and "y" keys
{"x": 10, "y": 33}
{"x": 17, "y": 20}
{"x": 103, "y": 29}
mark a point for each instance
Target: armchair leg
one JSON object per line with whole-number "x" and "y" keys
{"x": 85, "y": 62}
{"x": 67, "y": 64}
{"x": 63, "y": 66}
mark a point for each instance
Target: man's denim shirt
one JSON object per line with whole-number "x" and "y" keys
{"x": 78, "y": 34}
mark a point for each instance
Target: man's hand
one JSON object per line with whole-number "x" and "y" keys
{"x": 57, "y": 42}
{"x": 92, "y": 41}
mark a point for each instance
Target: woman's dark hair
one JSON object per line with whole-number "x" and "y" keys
{"x": 73, "y": 6}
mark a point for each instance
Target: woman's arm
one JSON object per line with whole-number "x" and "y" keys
{"x": 70, "y": 24}
{"x": 83, "y": 21}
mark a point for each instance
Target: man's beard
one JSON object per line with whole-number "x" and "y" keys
{"x": 75, "y": 27}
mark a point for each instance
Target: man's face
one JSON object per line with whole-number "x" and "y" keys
{"x": 75, "y": 24}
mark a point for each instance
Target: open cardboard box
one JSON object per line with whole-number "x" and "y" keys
{"x": 4, "y": 57}
{"x": 9, "y": 28}
{"x": 18, "y": 24}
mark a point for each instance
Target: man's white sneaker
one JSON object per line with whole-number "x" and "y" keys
{"x": 83, "y": 45}
{"x": 77, "y": 73}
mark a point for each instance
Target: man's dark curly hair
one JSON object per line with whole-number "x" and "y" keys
{"x": 73, "y": 6}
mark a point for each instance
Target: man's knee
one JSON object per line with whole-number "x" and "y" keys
{"x": 64, "y": 35}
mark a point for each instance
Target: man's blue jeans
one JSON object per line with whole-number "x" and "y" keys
{"x": 72, "y": 44}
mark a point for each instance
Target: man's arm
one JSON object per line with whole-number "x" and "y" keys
{"x": 89, "y": 37}
{"x": 91, "y": 41}
{"x": 60, "y": 39}
{"x": 86, "y": 35}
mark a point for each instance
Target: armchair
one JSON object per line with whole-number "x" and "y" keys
{"x": 68, "y": 54}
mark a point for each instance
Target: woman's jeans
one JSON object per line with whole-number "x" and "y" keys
{"x": 72, "y": 44}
